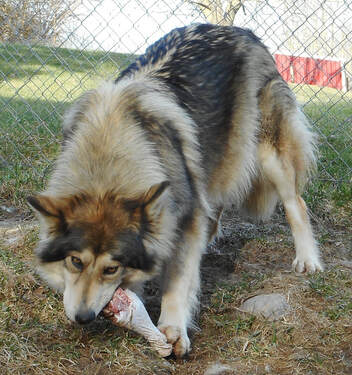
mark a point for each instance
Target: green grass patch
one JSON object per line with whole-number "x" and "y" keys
{"x": 330, "y": 112}
{"x": 335, "y": 287}
{"x": 38, "y": 84}
{"x": 13, "y": 263}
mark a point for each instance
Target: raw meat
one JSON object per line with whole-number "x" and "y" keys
{"x": 126, "y": 310}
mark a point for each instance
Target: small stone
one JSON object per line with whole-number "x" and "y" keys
{"x": 347, "y": 263}
{"x": 271, "y": 306}
{"x": 218, "y": 369}
{"x": 9, "y": 210}
{"x": 299, "y": 355}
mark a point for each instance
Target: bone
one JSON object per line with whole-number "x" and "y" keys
{"x": 126, "y": 310}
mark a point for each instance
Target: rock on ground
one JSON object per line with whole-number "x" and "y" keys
{"x": 218, "y": 369}
{"x": 270, "y": 306}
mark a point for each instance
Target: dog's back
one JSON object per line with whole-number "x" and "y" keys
{"x": 227, "y": 82}
{"x": 216, "y": 74}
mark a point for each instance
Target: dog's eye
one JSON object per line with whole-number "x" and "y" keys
{"x": 77, "y": 262}
{"x": 110, "y": 270}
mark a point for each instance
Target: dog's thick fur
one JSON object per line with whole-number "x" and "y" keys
{"x": 201, "y": 121}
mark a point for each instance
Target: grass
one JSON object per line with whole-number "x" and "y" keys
{"x": 40, "y": 82}
{"x": 334, "y": 287}
{"x": 314, "y": 337}
{"x": 330, "y": 112}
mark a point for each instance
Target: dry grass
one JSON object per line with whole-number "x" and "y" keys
{"x": 314, "y": 338}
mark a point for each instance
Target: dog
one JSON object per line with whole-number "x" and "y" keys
{"x": 201, "y": 121}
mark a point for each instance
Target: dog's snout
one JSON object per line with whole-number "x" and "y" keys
{"x": 85, "y": 317}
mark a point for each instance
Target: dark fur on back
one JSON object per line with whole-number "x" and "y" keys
{"x": 207, "y": 68}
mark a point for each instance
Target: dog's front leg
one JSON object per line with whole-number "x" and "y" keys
{"x": 181, "y": 285}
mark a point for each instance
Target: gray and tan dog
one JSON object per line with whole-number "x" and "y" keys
{"x": 201, "y": 121}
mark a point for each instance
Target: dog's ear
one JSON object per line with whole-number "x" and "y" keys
{"x": 155, "y": 198}
{"x": 49, "y": 209}
{"x": 43, "y": 205}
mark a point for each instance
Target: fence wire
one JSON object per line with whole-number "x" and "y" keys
{"x": 51, "y": 52}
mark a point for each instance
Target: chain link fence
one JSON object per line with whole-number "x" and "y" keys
{"x": 50, "y": 52}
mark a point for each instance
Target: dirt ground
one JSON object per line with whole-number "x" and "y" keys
{"x": 315, "y": 337}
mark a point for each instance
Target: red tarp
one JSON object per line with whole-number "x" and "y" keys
{"x": 310, "y": 71}
{"x": 283, "y": 64}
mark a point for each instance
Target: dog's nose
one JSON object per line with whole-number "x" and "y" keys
{"x": 85, "y": 317}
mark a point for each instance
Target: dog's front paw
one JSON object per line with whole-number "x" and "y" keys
{"x": 308, "y": 264}
{"x": 178, "y": 338}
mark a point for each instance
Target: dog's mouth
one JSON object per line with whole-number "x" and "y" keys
{"x": 106, "y": 311}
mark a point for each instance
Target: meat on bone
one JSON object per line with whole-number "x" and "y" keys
{"x": 126, "y": 310}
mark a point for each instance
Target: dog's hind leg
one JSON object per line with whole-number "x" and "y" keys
{"x": 181, "y": 284}
{"x": 280, "y": 172}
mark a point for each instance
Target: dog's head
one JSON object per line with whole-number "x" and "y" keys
{"x": 91, "y": 245}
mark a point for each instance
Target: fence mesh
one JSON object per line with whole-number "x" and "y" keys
{"x": 50, "y": 52}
